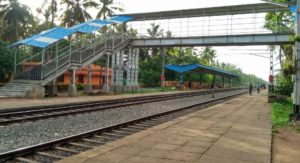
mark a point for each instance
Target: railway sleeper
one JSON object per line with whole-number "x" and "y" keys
{"x": 81, "y": 145}
{"x": 45, "y": 154}
{"x": 109, "y": 134}
{"x": 66, "y": 150}
{"x": 93, "y": 141}
{"x": 105, "y": 137}
{"x": 23, "y": 159}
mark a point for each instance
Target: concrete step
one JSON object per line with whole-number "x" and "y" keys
{"x": 20, "y": 88}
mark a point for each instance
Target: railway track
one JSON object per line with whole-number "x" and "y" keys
{"x": 45, "y": 112}
{"x": 58, "y": 149}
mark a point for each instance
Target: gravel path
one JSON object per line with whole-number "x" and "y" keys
{"x": 30, "y": 133}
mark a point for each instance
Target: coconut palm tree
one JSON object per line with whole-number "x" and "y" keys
{"x": 108, "y": 8}
{"x": 50, "y": 10}
{"x": 16, "y": 16}
{"x": 155, "y": 31}
{"x": 207, "y": 56}
{"x": 76, "y": 11}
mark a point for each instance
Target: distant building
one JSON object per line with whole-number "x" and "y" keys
{"x": 82, "y": 76}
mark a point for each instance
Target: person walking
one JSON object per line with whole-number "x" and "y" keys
{"x": 250, "y": 88}
{"x": 258, "y": 88}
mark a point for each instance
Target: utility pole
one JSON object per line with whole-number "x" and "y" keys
{"x": 296, "y": 93}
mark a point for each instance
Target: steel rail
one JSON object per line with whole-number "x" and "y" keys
{"x": 49, "y": 112}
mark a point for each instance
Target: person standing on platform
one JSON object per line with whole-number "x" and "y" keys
{"x": 258, "y": 88}
{"x": 250, "y": 88}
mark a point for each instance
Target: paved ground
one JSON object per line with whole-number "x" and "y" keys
{"x": 236, "y": 131}
{"x": 12, "y": 103}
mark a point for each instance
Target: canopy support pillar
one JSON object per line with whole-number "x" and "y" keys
{"x": 72, "y": 91}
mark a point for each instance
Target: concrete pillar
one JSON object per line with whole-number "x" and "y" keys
{"x": 296, "y": 93}
{"x": 106, "y": 87}
{"x": 89, "y": 86}
{"x": 230, "y": 82}
{"x": 136, "y": 71}
{"x": 119, "y": 71}
{"x": 128, "y": 87}
{"x": 72, "y": 91}
{"x": 53, "y": 88}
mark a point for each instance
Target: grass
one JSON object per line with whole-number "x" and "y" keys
{"x": 280, "y": 114}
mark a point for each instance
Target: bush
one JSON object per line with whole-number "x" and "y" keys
{"x": 80, "y": 86}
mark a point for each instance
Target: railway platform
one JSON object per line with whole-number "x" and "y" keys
{"x": 235, "y": 131}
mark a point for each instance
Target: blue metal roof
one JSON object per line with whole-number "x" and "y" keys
{"x": 90, "y": 26}
{"x": 120, "y": 19}
{"x": 45, "y": 38}
{"x": 202, "y": 68}
{"x": 96, "y": 24}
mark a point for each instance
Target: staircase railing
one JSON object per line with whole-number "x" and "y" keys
{"x": 67, "y": 57}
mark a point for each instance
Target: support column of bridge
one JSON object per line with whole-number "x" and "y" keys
{"x": 53, "y": 88}
{"x": 129, "y": 67}
{"x": 135, "y": 70}
{"x": 106, "y": 87}
{"x": 118, "y": 87}
{"x": 72, "y": 90}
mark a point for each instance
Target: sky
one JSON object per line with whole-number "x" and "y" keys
{"x": 242, "y": 56}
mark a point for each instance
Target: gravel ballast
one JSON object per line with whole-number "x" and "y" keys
{"x": 31, "y": 133}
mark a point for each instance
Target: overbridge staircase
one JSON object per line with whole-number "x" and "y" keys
{"x": 31, "y": 75}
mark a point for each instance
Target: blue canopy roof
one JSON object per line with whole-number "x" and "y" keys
{"x": 90, "y": 26}
{"x": 202, "y": 68}
{"x": 45, "y": 38}
{"x": 96, "y": 24}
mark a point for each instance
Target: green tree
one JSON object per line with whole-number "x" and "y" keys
{"x": 155, "y": 31}
{"x": 107, "y": 8}
{"x": 48, "y": 11}
{"x": 207, "y": 56}
{"x": 16, "y": 17}
{"x": 279, "y": 22}
{"x": 6, "y": 62}
{"x": 76, "y": 11}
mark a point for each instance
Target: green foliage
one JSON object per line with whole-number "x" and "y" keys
{"x": 280, "y": 114}
{"x": 76, "y": 12}
{"x": 6, "y": 62}
{"x": 16, "y": 18}
{"x": 107, "y": 8}
{"x": 80, "y": 86}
